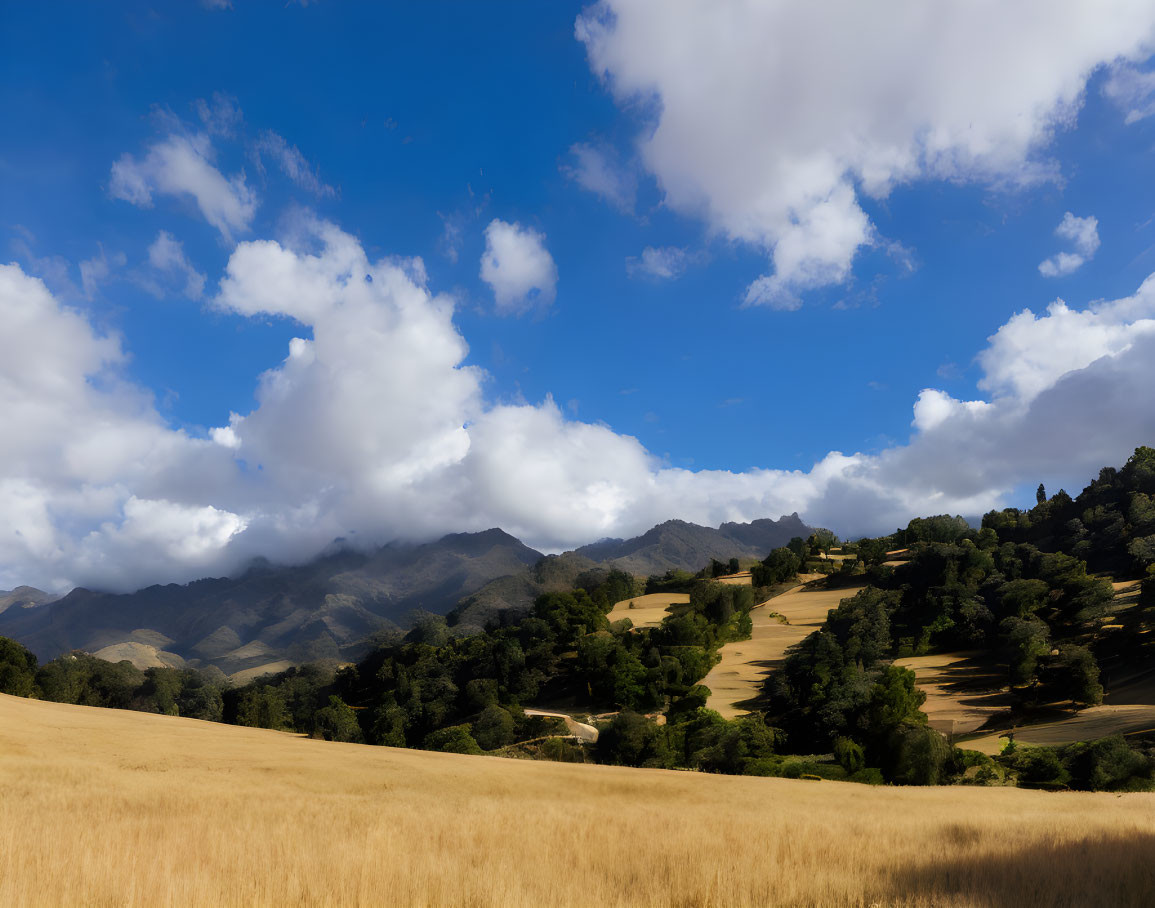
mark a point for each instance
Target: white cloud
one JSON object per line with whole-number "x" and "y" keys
{"x": 660, "y": 263}
{"x": 1084, "y": 234}
{"x": 182, "y": 165}
{"x": 770, "y": 118}
{"x": 166, "y": 255}
{"x": 98, "y": 269}
{"x": 372, "y": 428}
{"x": 597, "y": 169}
{"x": 89, "y": 444}
{"x": 221, "y": 116}
{"x": 292, "y": 163}
{"x": 1132, "y": 90}
{"x": 518, "y": 267}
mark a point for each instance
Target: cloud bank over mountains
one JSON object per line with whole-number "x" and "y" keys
{"x": 374, "y": 427}
{"x": 773, "y": 122}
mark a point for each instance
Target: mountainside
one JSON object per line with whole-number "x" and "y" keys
{"x": 678, "y": 545}
{"x": 517, "y": 592}
{"x": 24, "y": 597}
{"x": 327, "y": 608}
{"x": 322, "y": 609}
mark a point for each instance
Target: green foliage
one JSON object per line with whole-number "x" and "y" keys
{"x": 633, "y": 740}
{"x": 1109, "y": 764}
{"x": 1074, "y": 675}
{"x": 337, "y": 722}
{"x": 1025, "y": 642}
{"x": 780, "y": 565}
{"x": 913, "y": 754}
{"x": 17, "y": 669}
{"x": 849, "y": 755}
{"x": 494, "y": 728}
{"x": 262, "y": 706}
{"x": 453, "y": 739}
{"x": 1022, "y": 598}
{"x": 942, "y": 528}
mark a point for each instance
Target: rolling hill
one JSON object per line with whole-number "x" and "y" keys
{"x": 116, "y": 807}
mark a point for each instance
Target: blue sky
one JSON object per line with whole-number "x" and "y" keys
{"x": 837, "y": 219}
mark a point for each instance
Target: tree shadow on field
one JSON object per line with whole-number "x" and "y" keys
{"x": 1115, "y": 870}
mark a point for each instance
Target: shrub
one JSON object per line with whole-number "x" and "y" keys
{"x": 454, "y": 739}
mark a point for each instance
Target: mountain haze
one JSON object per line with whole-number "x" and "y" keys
{"x": 322, "y": 609}
{"x": 326, "y": 609}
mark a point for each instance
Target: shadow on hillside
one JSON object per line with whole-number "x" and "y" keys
{"x": 1117, "y": 870}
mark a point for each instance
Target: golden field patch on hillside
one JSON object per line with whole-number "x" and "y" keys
{"x": 963, "y": 690}
{"x": 777, "y": 625}
{"x": 649, "y": 610}
{"x": 100, "y": 807}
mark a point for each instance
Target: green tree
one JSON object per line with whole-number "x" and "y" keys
{"x": 1077, "y": 675}
{"x": 493, "y": 728}
{"x": 1025, "y": 641}
{"x": 337, "y": 722}
{"x": 1022, "y": 598}
{"x": 17, "y": 669}
{"x": 262, "y": 706}
{"x": 454, "y": 739}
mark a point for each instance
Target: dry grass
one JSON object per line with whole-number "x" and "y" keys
{"x": 269, "y": 668}
{"x": 742, "y": 578}
{"x": 115, "y": 808}
{"x": 739, "y": 675}
{"x": 963, "y": 690}
{"x": 1086, "y": 725}
{"x": 647, "y": 611}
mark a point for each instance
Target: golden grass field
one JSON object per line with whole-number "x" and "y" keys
{"x": 99, "y": 807}
{"x": 647, "y": 611}
{"x": 962, "y": 690}
{"x": 738, "y": 676}
{"x": 1086, "y": 725}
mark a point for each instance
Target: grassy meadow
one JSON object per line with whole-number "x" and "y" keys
{"x": 103, "y": 807}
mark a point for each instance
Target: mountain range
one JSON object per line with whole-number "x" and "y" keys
{"x": 271, "y": 617}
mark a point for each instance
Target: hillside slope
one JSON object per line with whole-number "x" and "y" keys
{"x": 111, "y": 807}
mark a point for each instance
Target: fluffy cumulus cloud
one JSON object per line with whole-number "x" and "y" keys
{"x": 518, "y": 268}
{"x": 182, "y": 165}
{"x": 771, "y": 120}
{"x": 95, "y": 487}
{"x": 1083, "y": 234}
{"x": 373, "y": 428}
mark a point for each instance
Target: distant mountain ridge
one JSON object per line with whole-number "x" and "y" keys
{"x": 330, "y": 607}
{"x": 322, "y": 609}
{"x": 678, "y": 545}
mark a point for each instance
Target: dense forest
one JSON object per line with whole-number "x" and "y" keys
{"x": 1029, "y": 587}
